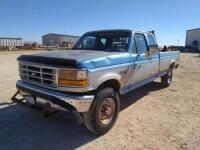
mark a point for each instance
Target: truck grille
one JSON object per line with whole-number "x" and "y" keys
{"x": 38, "y": 74}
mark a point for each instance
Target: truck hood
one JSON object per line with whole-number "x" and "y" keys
{"x": 75, "y": 58}
{"x": 78, "y": 55}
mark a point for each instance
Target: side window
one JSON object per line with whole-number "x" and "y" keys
{"x": 134, "y": 47}
{"x": 140, "y": 43}
{"x": 151, "y": 40}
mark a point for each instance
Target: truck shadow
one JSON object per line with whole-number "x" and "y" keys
{"x": 132, "y": 97}
{"x": 197, "y": 56}
{"x": 23, "y": 129}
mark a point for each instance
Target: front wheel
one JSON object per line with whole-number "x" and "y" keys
{"x": 167, "y": 79}
{"x": 103, "y": 112}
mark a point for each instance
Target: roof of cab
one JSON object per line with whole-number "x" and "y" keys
{"x": 111, "y": 30}
{"x": 122, "y": 30}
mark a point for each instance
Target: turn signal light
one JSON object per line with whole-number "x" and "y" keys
{"x": 78, "y": 83}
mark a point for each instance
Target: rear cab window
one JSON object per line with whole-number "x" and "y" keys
{"x": 151, "y": 40}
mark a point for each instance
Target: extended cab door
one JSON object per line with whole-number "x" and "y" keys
{"x": 141, "y": 64}
{"x": 153, "y": 55}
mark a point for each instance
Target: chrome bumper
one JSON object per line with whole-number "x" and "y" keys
{"x": 66, "y": 101}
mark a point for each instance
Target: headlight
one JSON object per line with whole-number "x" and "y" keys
{"x": 72, "y": 77}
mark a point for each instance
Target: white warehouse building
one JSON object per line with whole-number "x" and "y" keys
{"x": 52, "y": 39}
{"x": 10, "y": 42}
{"x": 193, "y": 39}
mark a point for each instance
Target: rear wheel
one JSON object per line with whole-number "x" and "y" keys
{"x": 167, "y": 79}
{"x": 103, "y": 112}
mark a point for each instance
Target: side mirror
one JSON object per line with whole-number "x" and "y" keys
{"x": 152, "y": 49}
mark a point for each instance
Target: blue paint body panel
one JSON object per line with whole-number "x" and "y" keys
{"x": 170, "y": 54}
{"x": 114, "y": 60}
{"x": 123, "y": 58}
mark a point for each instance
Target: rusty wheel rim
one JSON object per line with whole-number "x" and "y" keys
{"x": 107, "y": 111}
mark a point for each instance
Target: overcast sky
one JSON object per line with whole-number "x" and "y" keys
{"x": 30, "y": 19}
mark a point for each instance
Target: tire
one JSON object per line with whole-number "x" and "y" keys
{"x": 167, "y": 79}
{"x": 103, "y": 112}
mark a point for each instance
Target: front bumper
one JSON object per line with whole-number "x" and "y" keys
{"x": 66, "y": 101}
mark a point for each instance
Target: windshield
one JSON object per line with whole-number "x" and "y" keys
{"x": 105, "y": 41}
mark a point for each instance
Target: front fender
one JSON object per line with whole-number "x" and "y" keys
{"x": 98, "y": 77}
{"x": 107, "y": 77}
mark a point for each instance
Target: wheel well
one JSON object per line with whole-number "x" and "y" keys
{"x": 113, "y": 83}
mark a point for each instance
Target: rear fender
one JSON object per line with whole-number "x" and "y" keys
{"x": 172, "y": 64}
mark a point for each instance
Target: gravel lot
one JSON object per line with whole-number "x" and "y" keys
{"x": 151, "y": 117}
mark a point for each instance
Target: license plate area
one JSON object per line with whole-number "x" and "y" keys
{"x": 30, "y": 100}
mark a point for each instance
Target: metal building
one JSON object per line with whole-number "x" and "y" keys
{"x": 59, "y": 40}
{"x": 193, "y": 39}
{"x": 10, "y": 42}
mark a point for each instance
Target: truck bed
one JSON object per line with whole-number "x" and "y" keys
{"x": 167, "y": 58}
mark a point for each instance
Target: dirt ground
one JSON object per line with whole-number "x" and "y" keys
{"x": 151, "y": 117}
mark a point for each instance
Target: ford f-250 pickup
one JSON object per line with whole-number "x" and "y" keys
{"x": 88, "y": 79}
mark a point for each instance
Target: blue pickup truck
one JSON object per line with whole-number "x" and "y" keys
{"x": 88, "y": 79}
